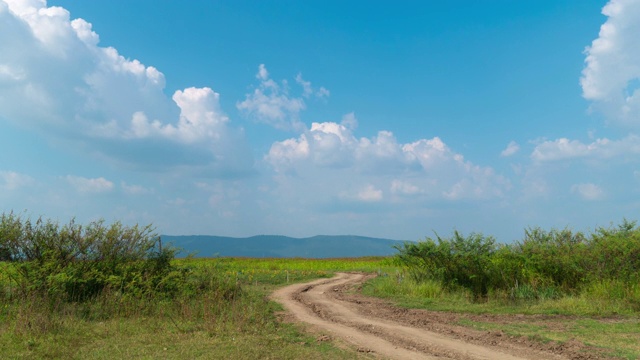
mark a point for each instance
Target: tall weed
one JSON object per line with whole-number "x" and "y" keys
{"x": 456, "y": 261}
{"x": 74, "y": 263}
{"x": 95, "y": 272}
{"x": 545, "y": 265}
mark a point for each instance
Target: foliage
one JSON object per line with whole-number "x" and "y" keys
{"x": 552, "y": 258}
{"x": 544, "y": 265}
{"x": 458, "y": 261}
{"x": 615, "y": 253}
{"x": 218, "y": 309}
{"x": 73, "y": 262}
{"x": 63, "y": 285}
{"x": 101, "y": 272}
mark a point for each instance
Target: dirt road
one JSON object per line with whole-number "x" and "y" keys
{"x": 383, "y": 331}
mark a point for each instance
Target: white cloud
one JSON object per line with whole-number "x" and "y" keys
{"x": 200, "y": 119}
{"x": 511, "y": 149}
{"x": 612, "y": 65}
{"x": 262, "y": 74}
{"x": 134, "y": 189}
{"x": 308, "y": 90}
{"x": 426, "y": 167}
{"x": 349, "y": 121}
{"x": 564, "y": 148}
{"x": 272, "y": 104}
{"x": 370, "y": 194}
{"x": 401, "y": 187}
{"x": 559, "y": 149}
{"x": 322, "y": 92}
{"x": 361, "y": 194}
{"x": 306, "y": 86}
{"x": 55, "y": 78}
{"x": 11, "y": 180}
{"x": 284, "y": 154}
{"x": 89, "y": 185}
{"x": 588, "y": 191}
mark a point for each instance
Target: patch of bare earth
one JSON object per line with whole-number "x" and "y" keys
{"x": 379, "y": 329}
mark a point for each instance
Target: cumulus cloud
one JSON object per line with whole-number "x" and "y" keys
{"x": 588, "y": 191}
{"x": 511, "y": 149}
{"x": 89, "y": 185}
{"x": 272, "y": 104}
{"x": 426, "y": 167}
{"x": 11, "y": 180}
{"x": 55, "y": 78}
{"x": 200, "y": 119}
{"x": 611, "y": 74}
{"x": 563, "y": 148}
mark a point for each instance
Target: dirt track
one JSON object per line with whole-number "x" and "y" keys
{"x": 376, "y": 328}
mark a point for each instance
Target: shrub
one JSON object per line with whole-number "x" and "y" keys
{"x": 456, "y": 261}
{"x": 615, "y": 253}
{"x": 544, "y": 265}
{"x": 553, "y": 258}
{"x": 74, "y": 263}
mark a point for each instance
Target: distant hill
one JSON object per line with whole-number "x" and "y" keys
{"x": 322, "y": 246}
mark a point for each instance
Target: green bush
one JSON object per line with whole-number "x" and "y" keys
{"x": 615, "y": 253}
{"x": 553, "y": 258}
{"x": 456, "y": 261}
{"x": 73, "y": 263}
{"x": 544, "y": 265}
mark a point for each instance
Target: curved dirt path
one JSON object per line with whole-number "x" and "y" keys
{"x": 322, "y": 304}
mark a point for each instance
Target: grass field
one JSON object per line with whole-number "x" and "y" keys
{"x": 274, "y": 272}
{"x": 245, "y": 327}
{"x": 120, "y": 296}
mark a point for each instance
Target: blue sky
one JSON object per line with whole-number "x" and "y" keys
{"x": 322, "y": 117}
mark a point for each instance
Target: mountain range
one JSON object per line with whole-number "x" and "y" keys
{"x": 275, "y": 246}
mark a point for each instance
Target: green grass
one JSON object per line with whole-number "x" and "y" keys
{"x": 266, "y": 274}
{"x": 618, "y": 337}
{"x": 247, "y": 327}
{"x": 607, "y": 323}
{"x": 151, "y": 338}
{"x": 432, "y": 295}
{"x": 207, "y": 326}
{"x": 343, "y": 264}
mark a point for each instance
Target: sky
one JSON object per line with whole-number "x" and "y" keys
{"x": 298, "y": 118}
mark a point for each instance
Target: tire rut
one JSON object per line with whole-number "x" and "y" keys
{"x": 315, "y": 303}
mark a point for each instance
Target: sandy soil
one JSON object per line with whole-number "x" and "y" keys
{"x": 376, "y": 328}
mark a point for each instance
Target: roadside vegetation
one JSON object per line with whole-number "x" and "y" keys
{"x": 103, "y": 291}
{"x": 99, "y": 291}
{"x": 592, "y": 280}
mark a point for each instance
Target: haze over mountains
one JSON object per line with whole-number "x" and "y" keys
{"x": 274, "y": 246}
